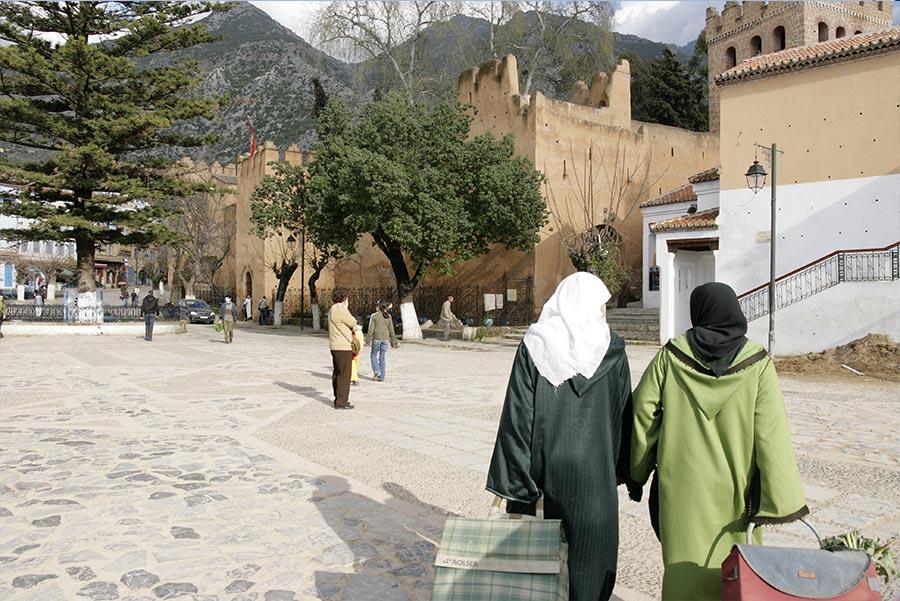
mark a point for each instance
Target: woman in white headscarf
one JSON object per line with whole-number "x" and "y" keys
{"x": 565, "y": 430}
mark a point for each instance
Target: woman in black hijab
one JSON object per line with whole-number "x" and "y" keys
{"x": 719, "y": 324}
{"x": 709, "y": 419}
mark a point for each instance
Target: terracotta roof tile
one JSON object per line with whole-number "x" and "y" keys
{"x": 697, "y": 221}
{"x": 683, "y": 194}
{"x": 710, "y": 175}
{"x": 804, "y": 56}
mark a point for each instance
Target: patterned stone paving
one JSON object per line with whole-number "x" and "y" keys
{"x": 136, "y": 477}
{"x": 185, "y": 468}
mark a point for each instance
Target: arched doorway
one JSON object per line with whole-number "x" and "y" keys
{"x": 248, "y": 284}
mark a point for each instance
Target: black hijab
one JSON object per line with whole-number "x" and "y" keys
{"x": 719, "y": 326}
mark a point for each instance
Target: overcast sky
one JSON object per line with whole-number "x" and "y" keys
{"x": 672, "y": 21}
{"x": 677, "y": 22}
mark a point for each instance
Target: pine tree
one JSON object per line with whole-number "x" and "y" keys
{"x": 71, "y": 89}
{"x": 668, "y": 92}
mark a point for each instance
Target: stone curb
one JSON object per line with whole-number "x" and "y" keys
{"x": 105, "y": 329}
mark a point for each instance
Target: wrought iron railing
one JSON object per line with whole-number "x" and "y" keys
{"x": 468, "y": 301}
{"x": 881, "y": 265}
{"x": 61, "y": 313}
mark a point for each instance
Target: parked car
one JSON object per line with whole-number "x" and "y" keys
{"x": 197, "y": 311}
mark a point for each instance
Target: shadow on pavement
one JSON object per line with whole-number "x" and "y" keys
{"x": 389, "y": 560}
{"x": 306, "y": 391}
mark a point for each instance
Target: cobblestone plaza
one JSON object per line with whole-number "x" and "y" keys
{"x": 190, "y": 468}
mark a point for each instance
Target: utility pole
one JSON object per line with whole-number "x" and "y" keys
{"x": 302, "y": 275}
{"x": 772, "y": 276}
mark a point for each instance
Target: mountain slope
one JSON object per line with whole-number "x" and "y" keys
{"x": 264, "y": 71}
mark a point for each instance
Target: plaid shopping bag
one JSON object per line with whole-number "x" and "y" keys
{"x": 501, "y": 559}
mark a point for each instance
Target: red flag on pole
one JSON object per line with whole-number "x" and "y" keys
{"x": 252, "y": 139}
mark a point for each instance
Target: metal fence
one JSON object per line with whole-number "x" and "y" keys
{"x": 213, "y": 295}
{"x": 851, "y": 266}
{"x": 61, "y": 313}
{"x": 469, "y": 302}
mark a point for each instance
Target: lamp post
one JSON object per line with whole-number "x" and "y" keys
{"x": 292, "y": 244}
{"x": 302, "y": 275}
{"x": 756, "y": 180}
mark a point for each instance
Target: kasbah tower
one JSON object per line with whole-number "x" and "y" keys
{"x": 744, "y": 30}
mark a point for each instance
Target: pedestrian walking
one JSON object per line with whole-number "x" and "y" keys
{"x": 150, "y": 311}
{"x": 134, "y": 297}
{"x": 565, "y": 430}
{"x": 263, "y": 311}
{"x": 381, "y": 335}
{"x": 123, "y": 296}
{"x": 447, "y": 317}
{"x": 372, "y": 318}
{"x": 710, "y": 424}
{"x": 228, "y": 315}
{"x": 38, "y": 304}
{"x": 341, "y": 343}
{"x": 2, "y": 314}
{"x": 354, "y": 370}
{"x": 248, "y": 308}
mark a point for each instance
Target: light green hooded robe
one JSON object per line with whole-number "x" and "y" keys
{"x": 722, "y": 452}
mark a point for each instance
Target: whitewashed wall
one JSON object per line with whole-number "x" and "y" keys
{"x": 834, "y": 317}
{"x": 651, "y": 215}
{"x": 813, "y": 220}
{"x": 672, "y": 294}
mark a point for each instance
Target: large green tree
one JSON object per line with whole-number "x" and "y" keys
{"x": 428, "y": 195}
{"x": 71, "y": 91}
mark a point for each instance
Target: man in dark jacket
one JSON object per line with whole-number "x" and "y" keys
{"x": 150, "y": 311}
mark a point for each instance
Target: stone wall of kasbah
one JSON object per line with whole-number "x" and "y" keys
{"x": 253, "y": 255}
{"x": 631, "y": 160}
{"x": 738, "y": 23}
{"x": 552, "y": 134}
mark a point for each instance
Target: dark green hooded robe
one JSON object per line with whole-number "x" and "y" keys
{"x": 569, "y": 443}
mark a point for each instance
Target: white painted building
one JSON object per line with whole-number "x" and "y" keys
{"x": 11, "y": 248}
{"x": 834, "y": 109}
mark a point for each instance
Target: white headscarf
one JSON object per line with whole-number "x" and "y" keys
{"x": 572, "y": 336}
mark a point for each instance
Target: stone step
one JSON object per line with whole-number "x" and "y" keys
{"x": 633, "y": 311}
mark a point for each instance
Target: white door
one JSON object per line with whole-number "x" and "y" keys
{"x": 691, "y": 270}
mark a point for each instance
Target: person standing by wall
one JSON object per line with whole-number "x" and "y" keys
{"x": 228, "y": 315}
{"x": 150, "y": 311}
{"x": 134, "y": 298}
{"x": 340, "y": 341}
{"x": 38, "y": 304}
{"x": 447, "y": 317}
{"x": 381, "y": 334}
{"x": 248, "y": 308}
{"x": 263, "y": 311}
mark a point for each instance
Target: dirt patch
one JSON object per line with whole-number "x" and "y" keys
{"x": 874, "y": 355}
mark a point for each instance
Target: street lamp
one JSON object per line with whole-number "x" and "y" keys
{"x": 292, "y": 244}
{"x": 302, "y": 275}
{"x": 756, "y": 177}
{"x": 756, "y": 180}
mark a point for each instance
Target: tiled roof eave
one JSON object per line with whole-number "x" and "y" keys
{"x": 875, "y": 48}
{"x": 705, "y": 220}
{"x": 684, "y": 228}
